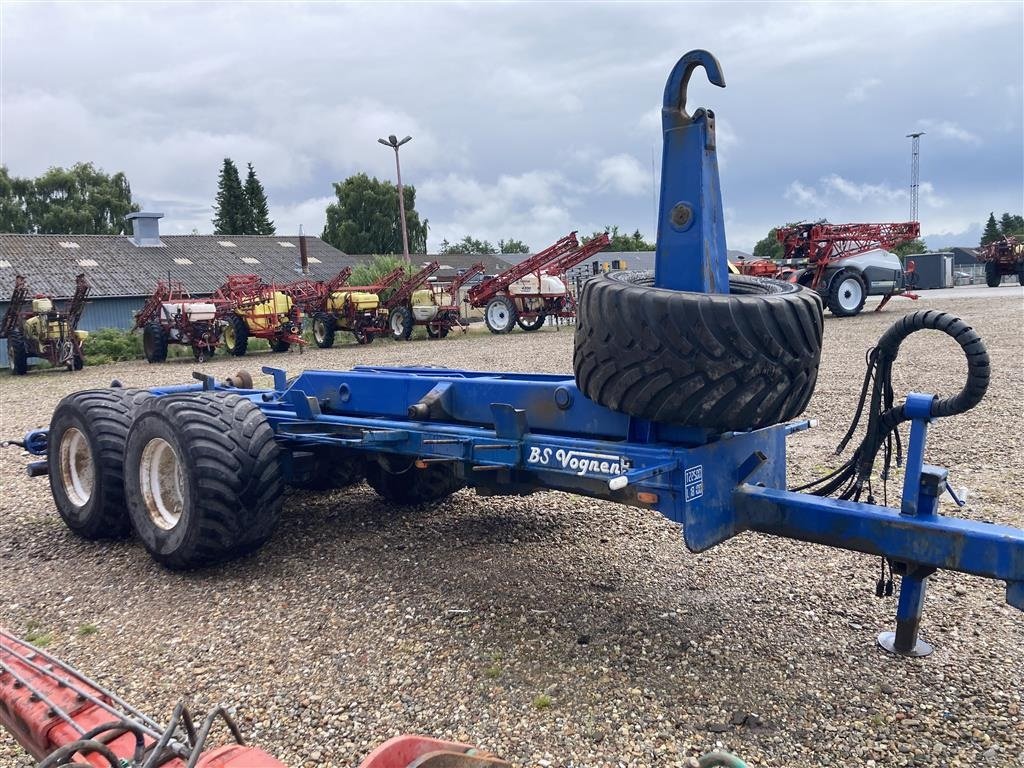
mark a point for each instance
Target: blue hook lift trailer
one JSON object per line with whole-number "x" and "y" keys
{"x": 198, "y": 470}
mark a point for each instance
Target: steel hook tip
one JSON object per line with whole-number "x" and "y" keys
{"x": 674, "y": 104}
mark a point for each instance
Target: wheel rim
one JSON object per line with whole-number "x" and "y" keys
{"x": 162, "y": 482}
{"x": 497, "y": 315}
{"x": 319, "y": 330}
{"x": 76, "y": 467}
{"x": 229, "y": 337}
{"x": 850, "y": 294}
{"x": 397, "y": 324}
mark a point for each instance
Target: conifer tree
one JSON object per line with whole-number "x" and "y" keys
{"x": 991, "y": 233}
{"x": 258, "y": 219}
{"x": 231, "y": 211}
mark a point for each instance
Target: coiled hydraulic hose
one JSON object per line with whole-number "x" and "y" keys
{"x": 850, "y": 479}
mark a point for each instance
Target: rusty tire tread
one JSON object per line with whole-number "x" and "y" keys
{"x": 722, "y": 362}
{"x": 414, "y": 486}
{"x": 233, "y": 464}
{"x": 106, "y": 415}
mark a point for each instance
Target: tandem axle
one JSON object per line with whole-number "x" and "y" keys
{"x": 686, "y": 386}
{"x": 519, "y": 433}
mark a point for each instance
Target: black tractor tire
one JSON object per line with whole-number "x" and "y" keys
{"x": 531, "y": 325}
{"x": 401, "y": 323}
{"x": 77, "y": 361}
{"x": 846, "y": 293}
{"x": 1020, "y": 273}
{"x": 500, "y": 315}
{"x": 324, "y": 327}
{"x": 280, "y": 345}
{"x": 154, "y": 342}
{"x": 992, "y": 277}
{"x": 439, "y": 331}
{"x": 85, "y": 459}
{"x": 223, "y": 476}
{"x": 400, "y": 481}
{"x": 333, "y": 468}
{"x": 236, "y": 337}
{"x": 724, "y": 362}
{"x": 17, "y": 352}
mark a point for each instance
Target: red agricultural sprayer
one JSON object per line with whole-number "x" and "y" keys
{"x": 251, "y": 308}
{"x": 172, "y": 316}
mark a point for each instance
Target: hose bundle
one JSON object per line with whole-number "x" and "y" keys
{"x": 850, "y": 479}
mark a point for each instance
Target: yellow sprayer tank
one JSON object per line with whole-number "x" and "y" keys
{"x": 424, "y": 305}
{"x": 268, "y": 314}
{"x": 361, "y": 301}
{"x": 37, "y": 328}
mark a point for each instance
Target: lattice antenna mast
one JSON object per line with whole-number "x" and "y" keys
{"x": 915, "y": 171}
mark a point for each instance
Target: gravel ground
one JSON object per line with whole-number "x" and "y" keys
{"x": 359, "y": 621}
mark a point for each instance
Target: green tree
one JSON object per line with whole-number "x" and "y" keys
{"x": 369, "y": 272}
{"x": 769, "y": 247}
{"x": 909, "y": 248}
{"x": 621, "y": 242}
{"x": 365, "y": 217}
{"x": 1010, "y": 224}
{"x": 991, "y": 233}
{"x": 80, "y": 200}
{"x": 257, "y": 211}
{"x": 513, "y": 246}
{"x": 469, "y": 244}
{"x": 14, "y": 196}
{"x": 231, "y": 213}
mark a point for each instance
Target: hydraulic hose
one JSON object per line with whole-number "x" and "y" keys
{"x": 849, "y": 480}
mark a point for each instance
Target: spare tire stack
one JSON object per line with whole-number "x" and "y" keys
{"x": 723, "y": 362}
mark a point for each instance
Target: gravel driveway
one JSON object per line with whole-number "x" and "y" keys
{"x": 551, "y": 629}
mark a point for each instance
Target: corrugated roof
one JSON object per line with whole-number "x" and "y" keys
{"x": 115, "y": 266}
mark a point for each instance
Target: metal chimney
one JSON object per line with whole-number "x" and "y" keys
{"x": 145, "y": 229}
{"x": 303, "y": 257}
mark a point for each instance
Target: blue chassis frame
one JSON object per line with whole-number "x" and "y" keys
{"x": 516, "y": 433}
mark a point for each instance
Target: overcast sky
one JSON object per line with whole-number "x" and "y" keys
{"x": 528, "y": 120}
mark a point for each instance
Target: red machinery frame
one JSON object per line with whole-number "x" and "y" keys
{"x": 397, "y": 305}
{"x": 449, "y": 315}
{"x": 1002, "y": 257}
{"x": 65, "y": 350}
{"x": 159, "y": 329}
{"x": 315, "y": 297}
{"x": 554, "y": 261}
{"x": 55, "y": 712}
{"x": 821, "y": 244}
{"x": 243, "y": 294}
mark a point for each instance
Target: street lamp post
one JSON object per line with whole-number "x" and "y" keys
{"x": 394, "y": 143}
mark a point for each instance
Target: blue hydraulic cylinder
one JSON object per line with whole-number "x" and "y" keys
{"x": 691, "y": 254}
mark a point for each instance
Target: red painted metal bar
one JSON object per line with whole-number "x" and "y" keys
{"x": 18, "y": 298}
{"x": 402, "y": 293}
{"x": 563, "y": 264}
{"x": 824, "y": 241}
{"x": 480, "y": 294}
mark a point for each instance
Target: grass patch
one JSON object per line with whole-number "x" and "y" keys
{"x": 87, "y": 629}
{"x": 493, "y": 671}
{"x": 35, "y": 634}
{"x": 543, "y": 701}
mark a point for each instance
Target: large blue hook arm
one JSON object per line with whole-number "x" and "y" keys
{"x": 691, "y": 250}
{"x": 673, "y": 110}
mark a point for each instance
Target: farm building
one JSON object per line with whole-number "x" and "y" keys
{"x": 123, "y": 269}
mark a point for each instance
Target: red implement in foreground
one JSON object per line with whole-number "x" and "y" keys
{"x": 62, "y": 718}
